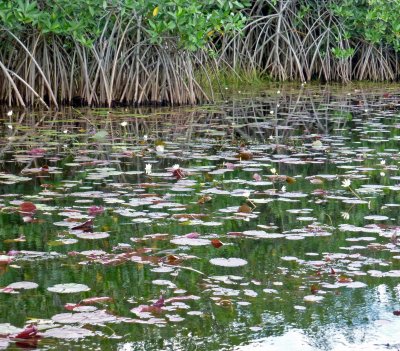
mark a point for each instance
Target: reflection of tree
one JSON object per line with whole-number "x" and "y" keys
{"x": 271, "y": 116}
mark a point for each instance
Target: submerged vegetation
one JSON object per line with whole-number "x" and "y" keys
{"x": 118, "y": 52}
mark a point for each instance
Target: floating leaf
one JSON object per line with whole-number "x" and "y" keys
{"x": 228, "y": 262}
{"x": 343, "y": 279}
{"x": 204, "y": 199}
{"x": 68, "y": 288}
{"x": 85, "y": 226}
{"x": 7, "y": 329}
{"x": 27, "y": 207}
{"x": 257, "y": 177}
{"x": 290, "y": 180}
{"x": 30, "y": 332}
{"x": 313, "y": 298}
{"x": 245, "y": 209}
{"x": 95, "y": 210}
{"x": 245, "y": 155}
{"x": 225, "y": 303}
{"x": 190, "y": 242}
{"x": 23, "y": 285}
{"x": 5, "y": 259}
{"x": 172, "y": 259}
{"x": 160, "y": 302}
{"x": 216, "y": 243}
{"x": 95, "y": 317}
{"x": 164, "y": 282}
{"x": 92, "y": 236}
{"x": 68, "y": 332}
{"x": 178, "y": 173}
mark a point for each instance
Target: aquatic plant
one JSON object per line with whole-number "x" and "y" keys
{"x": 94, "y": 250}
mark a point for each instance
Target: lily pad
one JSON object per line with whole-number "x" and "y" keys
{"x": 92, "y": 236}
{"x": 228, "y": 262}
{"x": 96, "y": 317}
{"x": 191, "y": 242}
{"x": 68, "y": 288}
{"x": 313, "y": 298}
{"x": 68, "y": 332}
{"x": 23, "y": 285}
{"x": 7, "y": 328}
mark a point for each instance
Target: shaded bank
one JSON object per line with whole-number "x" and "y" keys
{"x": 175, "y": 53}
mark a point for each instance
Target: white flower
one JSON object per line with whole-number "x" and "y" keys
{"x": 283, "y": 189}
{"x": 176, "y": 166}
{"x": 9, "y": 113}
{"x": 27, "y": 219}
{"x": 147, "y": 168}
{"x": 345, "y": 215}
{"x": 278, "y": 92}
{"x": 145, "y": 137}
{"x": 9, "y": 126}
{"x": 65, "y": 131}
{"x": 273, "y": 170}
{"x": 124, "y": 124}
{"x": 382, "y": 174}
{"x": 160, "y": 148}
{"x": 271, "y": 112}
{"x": 317, "y": 144}
{"x": 383, "y": 162}
{"x": 346, "y": 183}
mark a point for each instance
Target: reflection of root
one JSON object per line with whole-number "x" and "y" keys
{"x": 188, "y": 268}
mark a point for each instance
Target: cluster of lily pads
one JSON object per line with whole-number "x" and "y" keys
{"x": 200, "y": 210}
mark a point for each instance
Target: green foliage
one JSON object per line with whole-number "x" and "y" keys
{"x": 343, "y": 53}
{"x": 78, "y": 20}
{"x": 196, "y": 21}
{"x": 376, "y": 21}
{"x": 192, "y": 23}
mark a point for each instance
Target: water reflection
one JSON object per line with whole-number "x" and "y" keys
{"x": 295, "y": 241}
{"x": 291, "y": 112}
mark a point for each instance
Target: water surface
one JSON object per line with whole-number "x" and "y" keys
{"x": 300, "y": 186}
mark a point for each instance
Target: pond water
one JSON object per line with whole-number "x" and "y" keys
{"x": 266, "y": 222}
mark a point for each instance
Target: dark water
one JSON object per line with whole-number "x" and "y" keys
{"x": 313, "y": 263}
